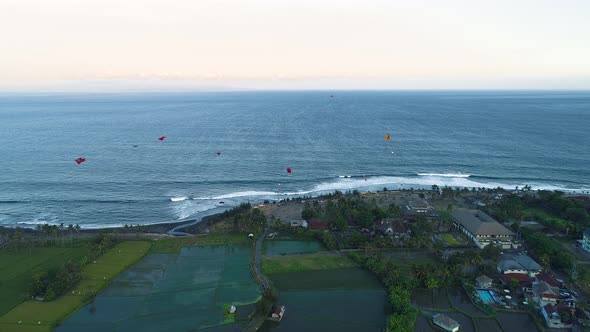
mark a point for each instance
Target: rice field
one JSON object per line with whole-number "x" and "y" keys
{"x": 178, "y": 292}
{"x": 287, "y": 247}
{"x": 312, "y": 262}
{"x": 17, "y": 269}
{"x": 41, "y": 316}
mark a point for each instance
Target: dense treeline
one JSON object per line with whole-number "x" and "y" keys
{"x": 50, "y": 284}
{"x": 550, "y": 208}
{"x": 458, "y": 268}
{"x": 249, "y": 221}
{"x": 349, "y": 210}
{"x": 403, "y": 314}
{"x": 549, "y": 252}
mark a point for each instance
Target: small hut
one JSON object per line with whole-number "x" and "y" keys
{"x": 483, "y": 281}
{"x": 446, "y": 323}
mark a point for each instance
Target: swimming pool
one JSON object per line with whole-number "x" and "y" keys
{"x": 485, "y": 295}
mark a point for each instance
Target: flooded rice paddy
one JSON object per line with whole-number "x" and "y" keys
{"x": 173, "y": 292}
{"x": 350, "y": 299}
{"x": 288, "y": 247}
{"x": 455, "y": 303}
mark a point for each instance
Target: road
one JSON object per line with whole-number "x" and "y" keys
{"x": 255, "y": 323}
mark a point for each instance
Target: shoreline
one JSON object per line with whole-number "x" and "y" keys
{"x": 203, "y": 220}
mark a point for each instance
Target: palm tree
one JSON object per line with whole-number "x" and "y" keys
{"x": 71, "y": 231}
{"x": 61, "y": 231}
{"x": 546, "y": 261}
{"x": 54, "y": 231}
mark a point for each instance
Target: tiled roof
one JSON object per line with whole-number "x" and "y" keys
{"x": 479, "y": 223}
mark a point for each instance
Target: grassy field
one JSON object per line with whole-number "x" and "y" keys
{"x": 298, "y": 263}
{"x": 173, "y": 245}
{"x": 405, "y": 261}
{"x": 545, "y": 219}
{"x": 42, "y": 316}
{"x": 16, "y": 270}
{"x": 450, "y": 239}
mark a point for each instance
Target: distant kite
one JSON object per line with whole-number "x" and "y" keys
{"x": 80, "y": 160}
{"x": 387, "y": 137}
{"x": 218, "y": 153}
{"x": 161, "y": 138}
{"x": 288, "y": 170}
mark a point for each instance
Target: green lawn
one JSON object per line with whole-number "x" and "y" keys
{"x": 450, "y": 240}
{"x": 545, "y": 219}
{"x": 313, "y": 262}
{"x": 95, "y": 276}
{"x": 173, "y": 245}
{"x": 16, "y": 270}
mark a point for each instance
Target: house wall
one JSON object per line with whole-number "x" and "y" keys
{"x": 586, "y": 242}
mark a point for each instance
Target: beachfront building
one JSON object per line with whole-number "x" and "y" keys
{"x": 483, "y": 281}
{"x": 543, "y": 293}
{"x": 518, "y": 264}
{"x": 446, "y": 323}
{"x": 298, "y": 223}
{"x": 393, "y": 227}
{"x": 586, "y": 240}
{"x": 482, "y": 229}
{"x": 419, "y": 207}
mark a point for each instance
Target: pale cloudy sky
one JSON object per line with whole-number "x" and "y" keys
{"x": 307, "y": 44}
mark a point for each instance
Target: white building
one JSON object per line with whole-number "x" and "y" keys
{"x": 482, "y": 229}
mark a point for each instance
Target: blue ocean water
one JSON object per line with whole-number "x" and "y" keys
{"x": 472, "y": 139}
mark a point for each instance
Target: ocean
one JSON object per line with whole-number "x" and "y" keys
{"x": 331, "y": 140}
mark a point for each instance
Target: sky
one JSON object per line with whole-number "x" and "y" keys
{"x": 107, "y": 45}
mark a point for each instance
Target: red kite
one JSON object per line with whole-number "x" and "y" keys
{"x": 161, "y": 138}
{"x": 80, "y": 160}
{"x": 288, "y": 170}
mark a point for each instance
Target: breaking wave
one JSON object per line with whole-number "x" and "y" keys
{"x": 445, "y": 175}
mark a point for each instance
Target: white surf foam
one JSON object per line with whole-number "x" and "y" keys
{"x": 449, "y": 175}
{"x": 239, "y": 194}
{"x": 178, "y": 199}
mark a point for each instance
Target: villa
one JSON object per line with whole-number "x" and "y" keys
{"x": 543, "y": 293}
{"x": 298, "y": 223}
{"x": 519, "y": 264}
{"x": 482, "y": 229}
{"x": 419, "y": 207}
{"x": 483, "y": 281}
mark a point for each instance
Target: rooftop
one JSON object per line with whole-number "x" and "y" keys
{"x": 445, "y": 321}
{"x": 543, "y": 288}
{"x": 479, "y": 223}
{"x": 483, "y": 279}
{"x": 518, "y": 262}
